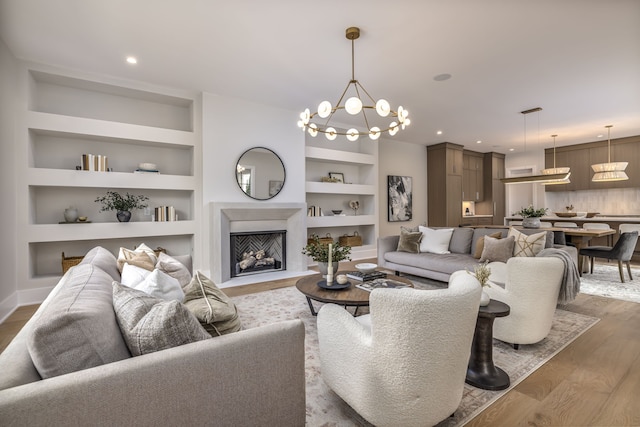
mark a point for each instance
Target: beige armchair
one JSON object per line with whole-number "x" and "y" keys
{"x": 405, "y": 363}
{"x": 531, "y": 288}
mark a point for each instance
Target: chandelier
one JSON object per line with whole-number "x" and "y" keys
{"x": 605, "y": 172}
{"x": 353, "y": 105}
{"x": 555, "y": 170}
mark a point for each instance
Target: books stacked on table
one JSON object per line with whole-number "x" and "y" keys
{"x": 365, "y": 277}
{"x": 382, "y": 283}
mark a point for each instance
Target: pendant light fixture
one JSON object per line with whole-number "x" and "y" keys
{"x": 555, "y": 170}
{"x": 547, "y": 176}
{"x": 606, "y": 172}
{"x": 354, "y": 105}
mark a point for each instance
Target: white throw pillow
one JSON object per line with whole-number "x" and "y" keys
{"x": 435, "y": 241}
{"x": 174, "y": 268}
{"x": 155, "y": 283}
{"x": 527, "y": 245}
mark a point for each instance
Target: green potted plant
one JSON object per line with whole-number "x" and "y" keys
{"x": 114, "y": 201}
{"x": 319, "y": 252}
{"x": 531, "y": 216}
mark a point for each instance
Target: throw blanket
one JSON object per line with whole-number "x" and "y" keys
{"x": 570, "y": 286}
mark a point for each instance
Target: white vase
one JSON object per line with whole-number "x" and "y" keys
{"x": 71, "y": 214}
{"x": 484, "y": 299}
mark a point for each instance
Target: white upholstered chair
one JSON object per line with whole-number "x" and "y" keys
{"x": 531, "y": 288}
{"x": 545, "y": 224}
{"x": 563, "y": 224}
{"x": 405, "y": 363}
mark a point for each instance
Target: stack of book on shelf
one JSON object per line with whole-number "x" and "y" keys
{"x": 382, "y": 283}
{"x": 165, "y": 213}
{"x": 365, "y": 277}
{"x": 314, "y": 211}
{"x": 94, "y": 162}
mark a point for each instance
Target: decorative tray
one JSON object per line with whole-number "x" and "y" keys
{"x": 566, "y": 214}
{"x": 334, "y": 287}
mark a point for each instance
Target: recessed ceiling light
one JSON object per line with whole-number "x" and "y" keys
{"x": 442, "y": 77}
{"x": 512, "y": 149}
{"x": 478, "y": 142}
{"x": 600, "y": 136}
{"x": 132, "y": 60}
{"x": 439, "y": 132}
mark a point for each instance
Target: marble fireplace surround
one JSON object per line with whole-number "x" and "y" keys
{"x": 250, "y": 216}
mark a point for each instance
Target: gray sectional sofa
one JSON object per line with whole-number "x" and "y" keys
{"x": 251, "y": 377}
{"x": 441, "y": 266}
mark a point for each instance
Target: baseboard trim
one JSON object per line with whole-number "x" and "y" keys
{"x": 8, "y": 306}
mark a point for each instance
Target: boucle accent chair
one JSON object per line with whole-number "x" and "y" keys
{"x": 531, "y": 288}
{"x": 405, "y": 363}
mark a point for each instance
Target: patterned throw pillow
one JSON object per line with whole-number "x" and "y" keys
{"x": 149, "y": 324}
{"x": 527, "y": 245}
{"x": 497, "y": 249}
{"x": 409, "y": 241}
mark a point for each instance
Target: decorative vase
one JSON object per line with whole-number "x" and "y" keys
{"x": 71, "y": 214}
{"x": 323, "y": 266}
{"x": 123, "y": 216}
{"x": 531, "y": 222}
{"x": 484, "y": 299}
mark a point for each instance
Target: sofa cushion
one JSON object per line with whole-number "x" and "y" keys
{"x": 212, "y": 307}
{"x": 435, "y": 241}
{"x": 174, "y": 268}
{"x": 155, "y": 283}
{"x": 441, "y": 263}
{"x": 497, "y": 249}
{"x": 78, "y": 328}
{"x": 527, "y": 245}
{"x": 105, "y": 260}
{"x": 461, "y": 240}
{"x": 150, "y": 324}
{"x": 477, "y": 253}
{"x": 409, "y": 241}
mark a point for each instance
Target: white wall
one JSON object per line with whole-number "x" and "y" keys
{"x": 522, "y": 195}
{"x": 8, "y": 103}
{"x": 230, "y": 126}
{"x": 404, "y": 159}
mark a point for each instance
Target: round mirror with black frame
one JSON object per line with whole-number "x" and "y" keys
{"x": 260, "y": 173}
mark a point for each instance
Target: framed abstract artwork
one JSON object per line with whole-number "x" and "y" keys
{"x": 400, "y": 193}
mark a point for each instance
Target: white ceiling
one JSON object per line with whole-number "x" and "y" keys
{"x": 577, "y": 59}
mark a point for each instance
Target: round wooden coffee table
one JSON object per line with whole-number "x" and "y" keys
{"x": 348, "y": 297}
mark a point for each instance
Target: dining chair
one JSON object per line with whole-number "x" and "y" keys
{"x": 545, "y": 224}
{"x": 621, "y": 251}
{"x": 515, "y": 222}
{"x": 562, "y": 224}
{"x": 625, "y": 228}
{"x": 600, "y": 226}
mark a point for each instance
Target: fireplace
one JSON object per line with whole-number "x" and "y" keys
{"x": 258, "y": 252}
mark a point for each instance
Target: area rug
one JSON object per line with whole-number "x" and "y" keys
{"x": 326, "y": 409}
{"x": 605, "y": 281}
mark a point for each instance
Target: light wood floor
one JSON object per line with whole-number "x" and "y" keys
{"x": 594, "y": 381}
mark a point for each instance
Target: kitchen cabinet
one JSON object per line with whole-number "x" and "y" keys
{"x": 472, "y": 176}
{"x": 444, "y": 184}
{"x": 493, "y": 202}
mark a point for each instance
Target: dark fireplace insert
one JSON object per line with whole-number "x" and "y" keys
{"x": 257, "y": 252}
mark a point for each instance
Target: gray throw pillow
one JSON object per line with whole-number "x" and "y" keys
{"x": 461, "y": 240}
{"x": 150, "y": 324}
{"x": 77, "y": 328}
{"x": 497, "y": 249}
{"x": 409, "y": 241}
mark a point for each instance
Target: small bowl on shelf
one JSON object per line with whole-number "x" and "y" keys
{"x": 366, "y": 267}
{"x": 148, "y": 166}
{"x": 82, "y": 218}
{"x": 337, "y": 211}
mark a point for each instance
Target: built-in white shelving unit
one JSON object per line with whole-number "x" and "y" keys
{"x": 67, "y": 115}
{"x": 358, "y": 163}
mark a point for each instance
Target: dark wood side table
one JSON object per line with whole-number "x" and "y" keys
{"x": 481, "y": 372}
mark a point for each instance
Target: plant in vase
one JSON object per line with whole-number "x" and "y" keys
{"x": 319, "y": 252}
{"x": 482, "y": 273}
{"x": 531, "y": 216}
{"x": 123, "y": 205}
